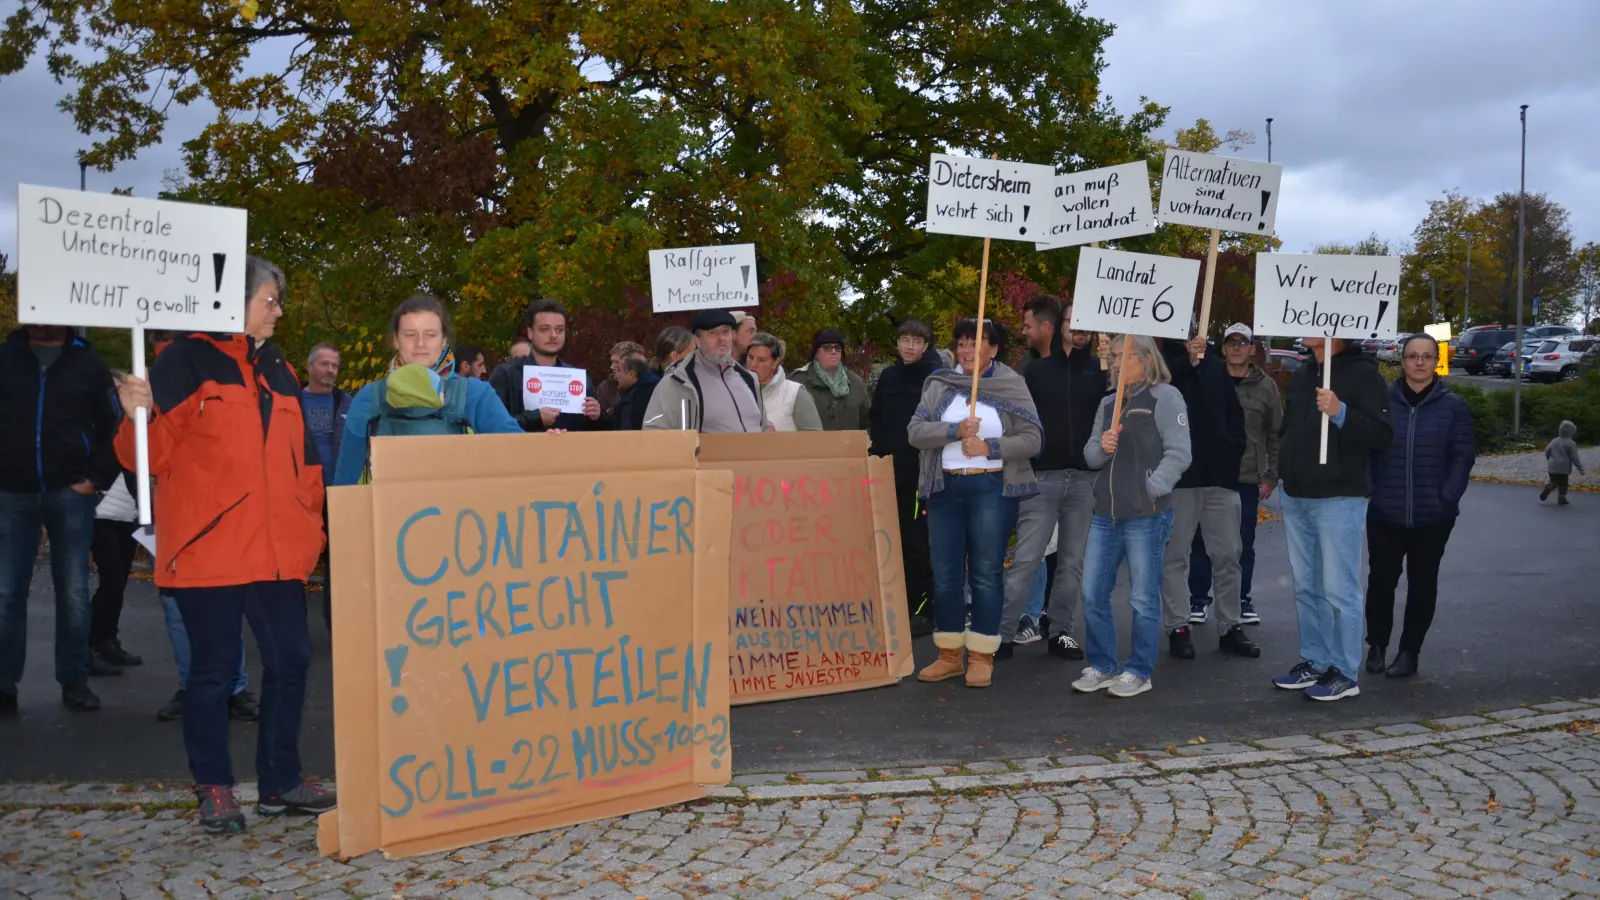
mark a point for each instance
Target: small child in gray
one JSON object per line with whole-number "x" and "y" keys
{"x": 1563, "y": 458}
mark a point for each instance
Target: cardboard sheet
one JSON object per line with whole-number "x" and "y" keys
{"x": 521, "y": 646}
{"x": 817, "y": 601}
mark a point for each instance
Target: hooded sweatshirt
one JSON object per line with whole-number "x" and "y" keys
{"x": 1563, "y": 452}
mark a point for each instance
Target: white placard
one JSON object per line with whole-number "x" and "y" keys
{"x": 990, "y": 198}
{"x": 1134, "y": 293}
{"x": 703, "y": 278}
{"x": 1100, "y": 205}
{"x": 115, "y": 262}
{"x": 549, "y": 387}
{"x": 1219, "y": 192}
{"x": 1327, "y": 295}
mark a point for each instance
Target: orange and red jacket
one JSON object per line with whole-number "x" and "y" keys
{"x": 240, "y": 483}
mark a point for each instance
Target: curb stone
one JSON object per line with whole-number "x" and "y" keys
{"x": 1298, "y": 748}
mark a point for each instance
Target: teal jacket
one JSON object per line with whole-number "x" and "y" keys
{"x": 485, "y": 413}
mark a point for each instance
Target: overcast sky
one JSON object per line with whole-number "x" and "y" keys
{"x": 1377, "y": 106}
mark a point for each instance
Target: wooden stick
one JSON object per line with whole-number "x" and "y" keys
{"x": 1122, "y": 380}
{"x": 1103, "y": 363}
{"x": 977, "y": 359}
{"x": 1211, "y": 278}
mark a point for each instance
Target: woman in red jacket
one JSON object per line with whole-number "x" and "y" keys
{"x": 238, "y": 530}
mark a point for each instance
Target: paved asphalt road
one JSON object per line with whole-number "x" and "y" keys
{"x": 1519, "y": 623}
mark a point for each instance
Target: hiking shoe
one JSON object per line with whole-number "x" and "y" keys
{"x": 1247, "y": 612}
{"x": 1298, "y": 678}
{"x": 173, "y": 710}
{"x": 1129, "y": 685}
{"x": 1093, "y": 680}
{"x": 1238, "y": 643}
{"x": 219, "y": 812}
{"x": 111, "y": 651}
{"x": 1064, "y": 646}
{"x": 76, "y": 696}
{"x": 8, "y": 703}
{"x": 1197, "y": 610}
{"x": 1179, "y": 644}
{"x": 309, "y": 799}
{"x": 1027, "y": 632}
{"x": 243, "y": 706}
{"x": 100, "y": 667}
{"x": 1333, "y": 685}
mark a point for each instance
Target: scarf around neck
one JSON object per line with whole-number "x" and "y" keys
{"x": 838, "y": 384}
{"x": 445, "y": 366}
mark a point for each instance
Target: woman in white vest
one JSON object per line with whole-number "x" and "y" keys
{"x": 789, "y": 404}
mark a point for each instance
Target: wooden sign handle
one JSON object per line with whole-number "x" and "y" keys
{"x": 1122, "y": 381}
{"x": 977, "y": 359}
{"x": 1205, "y": 292}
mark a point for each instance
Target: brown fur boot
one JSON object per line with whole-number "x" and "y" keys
{"x": 980, "y": 669}
{"x": 952, "y": 657}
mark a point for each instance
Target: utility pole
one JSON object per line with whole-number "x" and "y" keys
{"x": 1522, "y": 227}
{"x": 1466, "y": 309}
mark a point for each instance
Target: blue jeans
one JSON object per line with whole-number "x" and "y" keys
{"x": 1200, "y": 562}
{"x": 969, "y": 524}
{"x": 67, "y": 518}
{"x": 1142, "y": 541}
{"x": 212, "y": 617}
{"x": 1325, "y": 538}
{"x": 180, "y": 645}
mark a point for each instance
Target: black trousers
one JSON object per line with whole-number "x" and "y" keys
{"x": 1419, "y": 551}
{"x": 112, "y": 549}
{"x": 913, "y": 536}
{"x": 1557, "y": 483}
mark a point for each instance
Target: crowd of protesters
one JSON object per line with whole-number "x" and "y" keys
{"x": 1037, "y": 465}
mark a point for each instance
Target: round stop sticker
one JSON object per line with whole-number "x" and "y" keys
{"x": 575, "y": 388}
{"x": 535, "y": 385}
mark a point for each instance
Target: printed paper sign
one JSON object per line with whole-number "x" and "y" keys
{"x": 1100, "y": 205}
{"x": 989, "y": 198}
{"x": 1134, "y": 293}
{"x": 1219, "y": 192}
{"x": 548, "y": 387}
{"x": 703, "y": 278}
{"x": 108, "y": 261}
{"x": 1327, "y": 295}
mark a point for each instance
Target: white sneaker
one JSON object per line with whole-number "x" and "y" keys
{"x": 1093, "y": 680}
{"x": 1129, "y": 685}
{"x": 1027, "y": 632}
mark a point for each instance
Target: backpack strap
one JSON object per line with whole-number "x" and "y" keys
{"x": 455, "y": 404}
{"x": 380, "y": 405}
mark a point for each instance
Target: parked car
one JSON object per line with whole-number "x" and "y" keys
{"x": 1545, "y": 331}
{"x": 1371, "y": 345}
{"x": 1502, "y": 364}
{"x": 1558, "y": 358}
{"x": 1389, "y": 350}
{"x": 1476, "y": 347}
{"x": 1289, "y": 359}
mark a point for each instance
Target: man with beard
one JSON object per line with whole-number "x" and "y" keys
{"x": 707, "y": 390}
{"x": 544, "y": 325}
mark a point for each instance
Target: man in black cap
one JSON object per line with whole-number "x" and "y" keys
{"x": 707, "y": 390}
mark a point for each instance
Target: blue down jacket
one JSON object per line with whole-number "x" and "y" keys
{"x": 1419, "y": 480}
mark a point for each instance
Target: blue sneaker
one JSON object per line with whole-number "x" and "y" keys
{"x": 1299, "y": 678}
{"x": 1333, "y": 685}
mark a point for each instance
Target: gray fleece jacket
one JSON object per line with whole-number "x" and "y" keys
{"x": 1563, "y": 452}
{"x": 1152, "y": 452}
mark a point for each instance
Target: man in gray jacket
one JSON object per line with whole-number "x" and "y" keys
{"x": 707, "y": 390}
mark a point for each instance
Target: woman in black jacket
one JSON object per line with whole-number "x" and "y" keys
{"x": 894, "y": 400}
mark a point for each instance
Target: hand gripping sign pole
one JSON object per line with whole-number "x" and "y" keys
{"x": 1327, "y": 385}
{"x": 141, "y": 434}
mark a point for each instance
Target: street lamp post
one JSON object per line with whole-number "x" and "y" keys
{"x": 1269, "y": 139}
{"x": 1466, "y": 309}
{"x": 1522, "y": 225}
{"x": 83, "y": 173}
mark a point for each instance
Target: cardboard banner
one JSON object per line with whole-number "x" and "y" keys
{"x": 1327, "y": 295}
{"x": 703, "y": 278}
{"x": 1134, "y": 293}
{"x": 551, "y": 387}
{"x": 1100, "y": 205}
{"x": 989, "y": 198}
{"x": 816, "y": 594}
{"x": 108, "y": 261}
{"x": 519, "y": 646}
{"x": 1220, "y": 192}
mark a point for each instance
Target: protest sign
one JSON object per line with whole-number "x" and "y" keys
{"x": 816, "y": 594}
{"x": 1100, "y": 205}
{"x": 519, "y": 646}
{"x": 1327, "y": 295}
{"x": 989, "y": 198}
{"x": 109, "y": 261}
{"x": 703, "y": 278}
{"x": 550, "y": 387}
{"x": 1134, "y": 293}
{"x": 1219, "y": 192}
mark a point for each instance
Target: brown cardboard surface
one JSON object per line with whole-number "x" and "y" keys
{"x": 816, "y": 596}
{"x": 535, "y": 647}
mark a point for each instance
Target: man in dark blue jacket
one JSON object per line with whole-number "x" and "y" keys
{"x": 544, "y": 325}
{"x": 57, "y": 423}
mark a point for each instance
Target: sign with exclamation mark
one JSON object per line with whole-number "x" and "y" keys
{"x": 687, "y": 278}
{"x": 992, "y": 198}
{"x": 1220, "y": 192}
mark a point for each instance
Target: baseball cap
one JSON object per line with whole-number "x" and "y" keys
{"x": 1238, "y": 328}
{"x": 707, "y": 319}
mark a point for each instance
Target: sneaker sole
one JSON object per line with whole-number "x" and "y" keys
{"x": 1196, "y": 620}
{"x": 1352, "y": 691}
{"x": 1027, "y": 640}
{"x": 926, "y": 680}
{"x": 272, "y": 812}
{"x": 1134, "y": 693}
{"x": 1089, "y": 690}
{"x": 235, "y": 826}
{"x": 1295, "y": 686}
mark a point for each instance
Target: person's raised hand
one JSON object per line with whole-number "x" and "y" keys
{"x": 591, "y": 408}
{"x": 1197, "y": 347}
{"x": 134, "y": 392}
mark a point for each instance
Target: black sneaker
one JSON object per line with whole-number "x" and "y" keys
{"x": 173, "y": 710}
{"x": 309, "y": 799}
{"x": 1333, "y": 685}
{"x": 100, "y": 667}
{"x": 1248, "y": 614}
{"x": 8, "y": 703}
{"x": 243, "y": 706}
{"x": 111, "y": 651}
{"x": 1064, "y": 646}
{"x": 1007, "y": 650}
{"x": 1238, "y": 644}
{"x": 77, "y": 697}
{"x": 219, "y": 812}
{"x": 1179, "y": 644}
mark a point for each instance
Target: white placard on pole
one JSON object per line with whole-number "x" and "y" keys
{"x": 1219, "y": 192}
{"x": 703, "y": 278}
{"x": 1327, "y": 295}
{"x": 141, "y": 438}
{"x": 551, "y": 387}
{"x": 992, "y": 198}
{"x": 1100, "y": 205}
{"x": 1134, "y": 293}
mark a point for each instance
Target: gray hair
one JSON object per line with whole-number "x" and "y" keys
{"x": 1155, "y": 366}
{"x": 312, "y": 356}
{"x": 770, "y": 341}
{"x": 257, "y": 271}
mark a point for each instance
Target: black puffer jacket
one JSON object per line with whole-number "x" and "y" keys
{"x": 56, "y": 424}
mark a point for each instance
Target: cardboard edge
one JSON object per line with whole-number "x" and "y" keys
{"x": 891, "y": 567}
{"x": 422, "y": 458}
{"x": 328, "y": 834}
{"x": 713, "y": 535}
{"x": 771, "y": 697}
{"x": 810, "y": 446}
{"x": 353, "y": 567}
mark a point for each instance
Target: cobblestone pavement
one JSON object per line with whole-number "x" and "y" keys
{"x": 1416, "y": 812}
